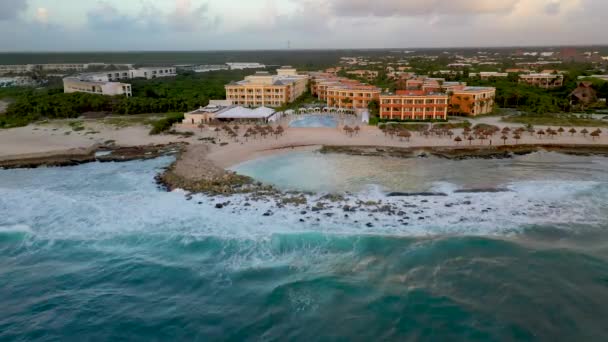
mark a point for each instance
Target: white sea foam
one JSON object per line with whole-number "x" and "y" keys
{"x": 100, "y": 200}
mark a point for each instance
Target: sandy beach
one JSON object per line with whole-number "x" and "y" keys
{"x": 59, "y": 137}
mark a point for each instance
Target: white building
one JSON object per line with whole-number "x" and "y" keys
{"x": 153, "y": 72}
{"x": 78, "y": 85}
{"x": 484, "y": 75}
{"x": 241, "y": 66}
{"x": 19, "y": 81}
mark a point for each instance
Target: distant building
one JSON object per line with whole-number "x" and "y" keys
{"x": 19, "y": 81}
{"x": 78, "y": 85}
{"x": 599, "y": 77}
{"x": 484, "y": 75}
{"x": 366, "y": 74}
{"x": 108, "y": 82}
{"x": 241, "y": 66}
{"x": 414, "y": 105}
{"x": 201, "y": 68}
{"x": 153, "y": 72}
{"x": 16, "y": 69}
{"x": 264, "y": 89}
{"x": 472, "y": 101}
{"x": 547, "y": 81}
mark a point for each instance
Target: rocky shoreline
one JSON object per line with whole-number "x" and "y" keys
{"x": 463, "y": 152}
{"x": 96, "y": 153}
{"x": 194, "y": 173}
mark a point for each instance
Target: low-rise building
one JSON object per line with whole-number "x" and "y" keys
{"x": 16, "y": 69}
{"x": 471, "y": 101}
{"x": 78, "y": 85}
{"x": 486, "y": 75}
{"x": 264, "y": 89}
{"x": 546, "y": 81}
{"x": 414, "y": 105}
{"x": 365, "y": 74}
{"x": 152, "y": 72}
{"x": 206, "y": 114}
{"x": 241, "y": 66}
{"x": 19, "y": 81}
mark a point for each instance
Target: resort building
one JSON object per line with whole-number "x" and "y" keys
{"x": 16, "y": 69}
{"x": 486, "y": 75}
{"x": 414, "y": 105}
{"x": 472, "y": 101}
{"x": 153, "y": 72}
{"x": 78, "y": 85}
{"x": 222, "y": 110}
{"x": 546, "y": 81}
{"x": 431, "y": 84}
{"x": 365, "y": 74}
{"x": 351, "y": 96}
{"x": 19, "y": 81}
{"x": 205, "y": 114}
{"x": 242, "y": 66}
{"x": 64, "y": 67}
{"x": 264, "y": 89}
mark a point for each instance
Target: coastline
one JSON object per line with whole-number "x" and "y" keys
{"x": 203, "y": 160}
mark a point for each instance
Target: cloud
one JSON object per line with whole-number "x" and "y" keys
{"x": 184, "y": 18}
{"x": 552, "y": 7}
{"x": 10, "y": 8}
{"x": 187, "y": 17}
{"x": 42, "y": 15}
{"x": 412, "y": 8}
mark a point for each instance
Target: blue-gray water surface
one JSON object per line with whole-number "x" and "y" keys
{"x": 98, "y": 252}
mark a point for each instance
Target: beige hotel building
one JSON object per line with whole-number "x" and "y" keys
{"x": 264, "y": 89}
{"x": 414, "y": 105}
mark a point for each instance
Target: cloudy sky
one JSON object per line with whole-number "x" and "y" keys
{"x": 79, "y": 25}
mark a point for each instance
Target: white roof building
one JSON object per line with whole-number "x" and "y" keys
{"x": 242, "y": 113}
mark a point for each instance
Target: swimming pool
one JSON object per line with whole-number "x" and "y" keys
{"x": 315, "y": 121}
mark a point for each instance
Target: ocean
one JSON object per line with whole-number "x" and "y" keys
{"x": 495, "y": 250}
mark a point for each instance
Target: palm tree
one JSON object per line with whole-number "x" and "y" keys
{"x": 572, "y": 131}
{"x": 504, "y": 139}
{"x": 540, "y": 133}
{"x": 516, "y": 137}
{"x": 458, "y": 140}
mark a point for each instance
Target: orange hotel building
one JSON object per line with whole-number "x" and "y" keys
{"x": 340, "y": 92}
{"x": 414, "y": 105}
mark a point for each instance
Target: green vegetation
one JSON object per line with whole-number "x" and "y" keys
{"x": 180, "y": 94}
{"x": 165, "y": 124}
{"x": 555, "y": 120}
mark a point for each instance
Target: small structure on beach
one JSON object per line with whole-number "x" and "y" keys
{"x": 263, "y": 114}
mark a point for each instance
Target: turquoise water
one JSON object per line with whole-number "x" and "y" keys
{"x": 314, "y": 121}
{"x": 97, "y": 252}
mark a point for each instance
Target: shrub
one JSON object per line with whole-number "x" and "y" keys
{"x": 166, "y": 123}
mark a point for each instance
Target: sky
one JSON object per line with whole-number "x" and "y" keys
{"x": 130, "y": 25}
